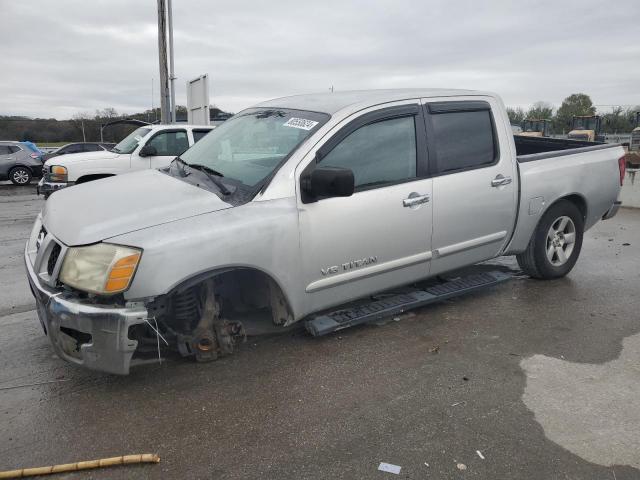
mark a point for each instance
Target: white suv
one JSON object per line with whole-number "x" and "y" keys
{"x": 151, "y": 146}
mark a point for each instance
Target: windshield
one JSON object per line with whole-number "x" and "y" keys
{"x": 582, "y": 123}
{"x": 131, "y": 141}
{"x": 533, "y": 126}
{"x": 253, "y": 144}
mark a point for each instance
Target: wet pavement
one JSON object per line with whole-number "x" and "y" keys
{"x": 540, "y": 377}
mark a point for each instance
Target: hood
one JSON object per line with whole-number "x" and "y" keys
{"x": 71, "y": 158}
{"x": 95, "y": 211}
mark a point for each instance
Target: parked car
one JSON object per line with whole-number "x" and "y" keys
{"x": 80, "y": 147}
{"x": 302, "y": 209}
{"x": 34, "y": 149}
{"x": 19, "y": 163}
{"x": 152, "y": 146}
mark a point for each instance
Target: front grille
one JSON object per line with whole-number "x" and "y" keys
{"x": 53, "y": 258}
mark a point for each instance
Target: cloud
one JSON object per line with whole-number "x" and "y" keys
{"x": 64, "y": 56}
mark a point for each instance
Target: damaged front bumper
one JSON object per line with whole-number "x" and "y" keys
{"x": 94, "y": 336}
{"x": 46, "y": 187}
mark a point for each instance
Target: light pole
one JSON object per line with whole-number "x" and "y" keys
{"x": 172, "y": 77}
{"x": 162, "y": 52}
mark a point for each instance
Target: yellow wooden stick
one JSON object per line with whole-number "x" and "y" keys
{"x": 72, "y": 467}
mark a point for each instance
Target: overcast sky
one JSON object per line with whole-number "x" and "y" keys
{"x": 60, "y": 57}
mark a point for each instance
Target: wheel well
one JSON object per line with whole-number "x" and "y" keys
{"x": 241, "y": 291}
{"x": 89, "y": 178}
{"x": 23, "y": 166}
{"x": 578, "y": 201}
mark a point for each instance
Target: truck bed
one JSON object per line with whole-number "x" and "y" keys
{"x": 529, "y": 149}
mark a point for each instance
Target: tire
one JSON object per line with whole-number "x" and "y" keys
{"x": 555, "y": 245}
{"x": 20, "y": 175}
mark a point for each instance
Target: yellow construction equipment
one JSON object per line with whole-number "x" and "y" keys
{"x": 586, "y": 128}
{"x": 536, "y": 127}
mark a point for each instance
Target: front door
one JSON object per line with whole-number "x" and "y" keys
{"x": 380, "y": 236}
{"x": 474, "y": 194}
{"x": 168, "y": 144}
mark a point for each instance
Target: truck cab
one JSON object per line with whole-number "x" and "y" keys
{"x": 586, "y": 128}
{"x": 536, "y": 127}
{"x": 149, "y": 146}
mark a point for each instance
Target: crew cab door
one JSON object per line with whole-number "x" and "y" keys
{"x": 474, "y": 182}
{"x": 168, "y": 145}
{"x": 380, "y": 236}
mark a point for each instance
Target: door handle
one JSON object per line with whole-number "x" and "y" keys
{"x": 415, "y": 199}
{"x": 500, "y": 180}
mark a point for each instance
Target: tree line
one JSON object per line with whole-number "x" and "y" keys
{"x": 82, "y": 126}
{"x": 618, "y": 120}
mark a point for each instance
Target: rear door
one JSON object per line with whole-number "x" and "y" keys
{"x": 380, "y": 236}
{"x": 474, "y": 194}
{"x": 7, "y": 159}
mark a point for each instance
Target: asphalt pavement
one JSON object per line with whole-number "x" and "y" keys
{"x": 528, "y": 380}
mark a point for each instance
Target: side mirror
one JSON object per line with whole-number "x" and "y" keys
{"x": 148, "y": 151}
{"x": 326, "y": 182}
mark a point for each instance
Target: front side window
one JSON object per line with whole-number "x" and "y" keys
{"x": 73, "y": 149}
{"x": 250, "y": 146}
{"x": 380, "y": 153}
{"x": 92, "y": 147}
{"x": 5, "y": 150}
{"x": 170, "y": 143}
{"x": 463, "y": 140}
{"x": 198, "y": 134}
{"x": 131, "y": 141}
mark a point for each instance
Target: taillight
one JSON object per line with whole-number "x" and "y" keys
{"x": 622, "y": 165}
{"x": 34, "y": 155}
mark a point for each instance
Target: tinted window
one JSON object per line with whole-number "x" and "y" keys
{"x": 13, "y": 149}
{"x": 379, "y": 153}
{"x": 72, "y": 149}
{"x": 463, "y": 140}
{"x": 198, "y": 134}
{"x": 92, "y": 147}
{"x": 4, "y": 150}
{"x": 170, "y": 143}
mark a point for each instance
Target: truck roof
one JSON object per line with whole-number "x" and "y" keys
{"x": 171, "y": 126}
{"x": 333, "y": 102}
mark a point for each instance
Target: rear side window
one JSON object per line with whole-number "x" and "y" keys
{"x": 380, "y": 153}
{"x": 198, "y": 134}
{"x": 5, "y": 150}
{"x": 463, "y": 139}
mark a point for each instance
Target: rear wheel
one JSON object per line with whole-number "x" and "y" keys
{"x": 556, "y": 243}
{"x": 20, "y": 175}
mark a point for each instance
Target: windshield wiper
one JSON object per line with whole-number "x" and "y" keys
{"x": 211, "y": 174}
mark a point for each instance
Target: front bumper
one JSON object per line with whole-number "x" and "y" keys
{"x": 46, "y": 188}
{"x": 94, "y": 336}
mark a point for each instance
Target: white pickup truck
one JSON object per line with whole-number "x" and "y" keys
{"x": 303, "y": 209}
{"x": 152, "y": 146}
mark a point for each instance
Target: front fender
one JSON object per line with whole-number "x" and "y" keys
{"x": 258, "y": 235}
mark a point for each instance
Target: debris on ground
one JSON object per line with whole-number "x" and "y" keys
{"x": 461, "y": 466}
{"x": 626, "y": 244}
{"x": 480, "y": 454}
{"x": 72, "y": 467}
{"x": 389, "y": 467}
{"x": 434, "y": 349}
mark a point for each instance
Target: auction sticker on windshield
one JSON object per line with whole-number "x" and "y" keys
{"x": 301, "y": 123}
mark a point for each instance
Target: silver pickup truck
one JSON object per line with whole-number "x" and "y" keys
{"x": 304, "y": 208}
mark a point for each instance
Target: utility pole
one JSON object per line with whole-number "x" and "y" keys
{"x": 162, "y": 51}
{"x": 172, "y": 77}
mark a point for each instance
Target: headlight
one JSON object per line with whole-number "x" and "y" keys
{"x": 102, "y": 268}
{"x": 58, "y": 173}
